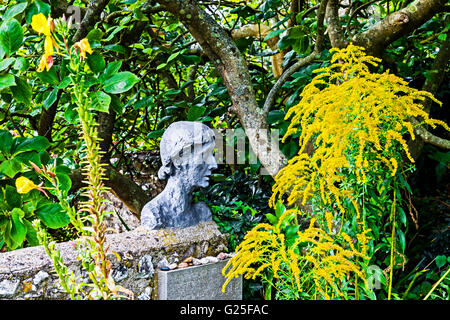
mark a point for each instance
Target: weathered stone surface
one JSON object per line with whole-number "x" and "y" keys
{"x": 139, "y": 253}
{"x": 8, "y": 287}
{"x": 202, "y": 282}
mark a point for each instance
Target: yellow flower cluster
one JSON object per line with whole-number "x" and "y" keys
{"x": 356, "y": 120}
{"x": 41, "y": 24}
{"x": 323, "y": 260}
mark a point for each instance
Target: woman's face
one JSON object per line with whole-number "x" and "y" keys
{"x": 196, "y": 168}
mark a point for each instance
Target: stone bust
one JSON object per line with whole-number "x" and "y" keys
{"x": 186, "y": 151}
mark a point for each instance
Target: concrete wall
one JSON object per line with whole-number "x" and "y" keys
{"x": 28, "y": 273}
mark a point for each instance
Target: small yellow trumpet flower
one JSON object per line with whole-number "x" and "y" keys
{"x": 25, "y": 185}
{"x": 41, "y": 24}
{"x": 83, "y": 47}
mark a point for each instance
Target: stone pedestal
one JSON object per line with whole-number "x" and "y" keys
{"x": 28, "y": 273}
{"x": 202, "y": 282}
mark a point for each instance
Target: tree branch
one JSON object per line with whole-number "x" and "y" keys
{"x": 397, "y": 24}
{"x": 92, "y": 15}
{"x": 228, "y": 61}
{"x": 335, "y": 32}
{"x": 299, "y": 64}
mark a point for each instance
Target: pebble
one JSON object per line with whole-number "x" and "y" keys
{"x": 182, "y": 265}
{"x": 212, "y": 259}
{"x": 221, "y": 256}
{"x": 40, "y": 276}
{"x": 173, "y": 266}
{"x": 196, "y": 262}
{"x": 164, "y": 268}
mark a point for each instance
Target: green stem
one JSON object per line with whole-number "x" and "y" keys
{"x": 392, "y": 247}
{"x": 437, "y": 284}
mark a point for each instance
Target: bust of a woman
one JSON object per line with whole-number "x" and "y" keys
{"x": 186, "y": 151}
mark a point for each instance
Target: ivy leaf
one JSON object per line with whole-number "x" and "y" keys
{"x": 120, "y": 82}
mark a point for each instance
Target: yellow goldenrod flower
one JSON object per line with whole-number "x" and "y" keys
{"x": 83, "y": 46}
{"x": 25, "y": 185}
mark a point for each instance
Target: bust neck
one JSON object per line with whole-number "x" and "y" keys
{"x": 180, "y": 195}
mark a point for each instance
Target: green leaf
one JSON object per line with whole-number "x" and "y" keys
{"x": 15, "y": 10}
{"x": 21, "y": 64}
{"x": 11, "y": 36}
{"x": 6, "y": 80}
{"x": 52, "y": 215}
{"x": 96, "y": 62}
{"x": 22, "y": 91}
{"x": 11, "y": 167}
{"x": 111, "y": 69}
{"x": 35, "y": 8}
{"x": 275, "y": 115}
{"x": 401, "y": 240}
{"x": 32, "y": 238}
{"x": 116, "y": 105}
{"x": 274, "y": 34}
{"x": 64, "y": 182}
{"x": 190, "y": 59}
{"x": 50, "y": 76}
{"x": 12, "y": 197}
{"x": 17, "y": 230}
{"x": 441, "y": 261}
{"x": 173, "y": 56}
{"x": 120, "y": 82}
{"x": 50, "y": 98}
{"x": 70, "y": 113}
{"x": 155, "y": 134}
{"x": 195, "y": 112}
{"x": 160, "y": 66}
{"x": 5, "y": 63}
{"x": 26, "y": 157}
{"x": 6, "y": 141}
{"x": 100, "y": 101}
{"x": 94, "y": 35}
{"x": 272, "y": 219}
{"x": 116, "y": 48}
{"x": 38, "y": 144}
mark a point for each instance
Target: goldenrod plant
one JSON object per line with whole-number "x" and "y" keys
{"x": 88, "y": 220}
{"x": 357, "y": 120}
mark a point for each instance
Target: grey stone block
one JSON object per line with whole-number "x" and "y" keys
{"x": 203, "y": 282}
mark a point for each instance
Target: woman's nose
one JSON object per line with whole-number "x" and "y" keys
{"x": 212, "y": 163}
